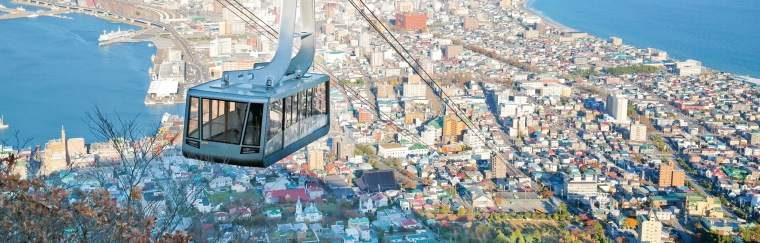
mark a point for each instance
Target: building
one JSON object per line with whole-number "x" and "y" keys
{"x": 581, "y": 187}
{"x": 688, "y": 68}
{"x": 638, "y": 132}
{"x": 234, "y": 64}
{"x": 414, "y": 90}
{"x": 472, "y": 140}
{"x": 453, "y": 126}
{"x": 393, "y": 150}
{"x": 316, "y": 159}
{"x": 704, "y": 207}
{"x": 376, "y": 58}
{"x": 678, "y": 178}
{"x": 345, "y": 149}
{"x": 452, "y": 51}
{"x": 617, "y": 107}
{"x": 616, "y": 41}
{"x": 364, "y": 115}
{"x": 666, "y": 175}
{"x": 650, "y": 230}
{"x": 411, "y": 21}
{"x": 498, "y": 167}
{"x": 55, "y": 155}
{"x": 310, "y": 213}
{"x": 753, "y": 137}
{"x": 470, "y": 23}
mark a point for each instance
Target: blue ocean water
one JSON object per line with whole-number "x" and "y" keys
{"x": 52, "y": 71}
{"x": 723, "y": 35}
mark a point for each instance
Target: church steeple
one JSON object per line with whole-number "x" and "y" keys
{"x": 299, "y": 206}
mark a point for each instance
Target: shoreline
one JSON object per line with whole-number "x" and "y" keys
{"x": 549, "y": 22}
{"x": 544, "y": 19}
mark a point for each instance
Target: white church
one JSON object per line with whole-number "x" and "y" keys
{"x": 311, "y": 213}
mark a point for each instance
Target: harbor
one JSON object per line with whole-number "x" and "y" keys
{"x": 20, "y": 12}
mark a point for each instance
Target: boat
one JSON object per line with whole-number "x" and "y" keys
{"x": 3, "y": 125}
{"x": 33, "y": 16}
{"x": 20, "y": 8}
{"x": 2, "y": 6}
{"x": 113, "y": 35}
{"x": 150, "y": 45}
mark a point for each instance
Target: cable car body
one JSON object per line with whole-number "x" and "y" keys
{"x": 258, "y": 117}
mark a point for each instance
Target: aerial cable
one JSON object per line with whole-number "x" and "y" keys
{"x": 430, "y": 82}
{"x": 402, "y": 129}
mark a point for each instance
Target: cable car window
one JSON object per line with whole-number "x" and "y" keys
{"x": 302, "y": 106}
{"x": 274, "y": 124}
{"x": 253, "y": 125}
{"x": 192, "y": 123}
{"x": 223, "y": 120}
{"x": 288, "y": 117}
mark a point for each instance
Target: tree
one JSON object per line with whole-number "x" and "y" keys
{"x": 31, "y": 211}
{"x": 497, "y": 200}
{"x": 547, "y": 194}
{"x": 462, "y": 211}
{"x": 631, "y": 222}
{"x": 500, "y": 238}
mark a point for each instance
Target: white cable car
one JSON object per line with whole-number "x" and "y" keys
{"x": 257, "y": 117}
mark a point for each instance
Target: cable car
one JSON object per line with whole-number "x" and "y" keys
{"x": 258, "y": 117}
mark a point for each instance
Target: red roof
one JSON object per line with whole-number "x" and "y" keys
{"x": 289, "y": 193}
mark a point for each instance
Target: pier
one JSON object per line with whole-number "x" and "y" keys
{"x": 14, "y": 13}
{"x": 135, "y": 37}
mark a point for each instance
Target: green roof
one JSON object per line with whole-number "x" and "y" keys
{"x": 417, "y": 146}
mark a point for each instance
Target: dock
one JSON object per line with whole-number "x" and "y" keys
{"x": 14, "y": 13}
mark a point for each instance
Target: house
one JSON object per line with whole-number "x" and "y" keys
{"x": 286, "y": 195}
{"x": 477, "y": 198}
{"x": 410, "y": 224}
{"x": 273, "y": 214}
{"x": 220, "y": 182}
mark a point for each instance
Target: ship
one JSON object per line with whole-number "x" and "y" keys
{"x": 2, "y": 125}
{"x": 33, "y": 15}
{"x": 113, "y": 35}
{"x": 20, "y": 8}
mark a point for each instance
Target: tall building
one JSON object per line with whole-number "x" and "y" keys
{"x": 470, "y": 23}
{"x": 498, "y": 167}
{"x": 376, "y": 58}
{"x": 617, "y": 107}
{"x": 316, "y": 159}
{"x": 650, "y": 230}
{"x": 638, "y": 132}
{"x": 345, "y": 149}
{"x": 472, "y": 140}
{"x": 55, "y": 155}
{"x": 678, "y": 178}
{"x": 753, "y": 137}
{"x": 364, "y": 115}
{"x": 666, "y": 175}
{"x": 452, "y": 126}
{"x": 414, "y": 90}
{"x": 411, "y": 21}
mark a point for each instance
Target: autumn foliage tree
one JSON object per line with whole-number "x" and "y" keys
{"x": 31, "y": 211}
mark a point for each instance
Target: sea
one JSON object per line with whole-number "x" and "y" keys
{"x": 52, "y": 72}
{"x": 723, "y": 35}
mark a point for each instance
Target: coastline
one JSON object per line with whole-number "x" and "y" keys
{"x": 546, "y": 20}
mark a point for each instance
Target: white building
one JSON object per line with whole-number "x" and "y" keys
{"x": 650, "y": 231}
{"x": 220, "y": 182}
{"x": 472, "y": 140}
{"x": 617, "y": 107}
{"x": 414, "y": 90}
{"x": 393, "y": 150}
{"x": 311, "y": 213}
{"x": 638, "y": 132}
{"x": 581, "y": 187}
{"x": 689, "y": 68}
